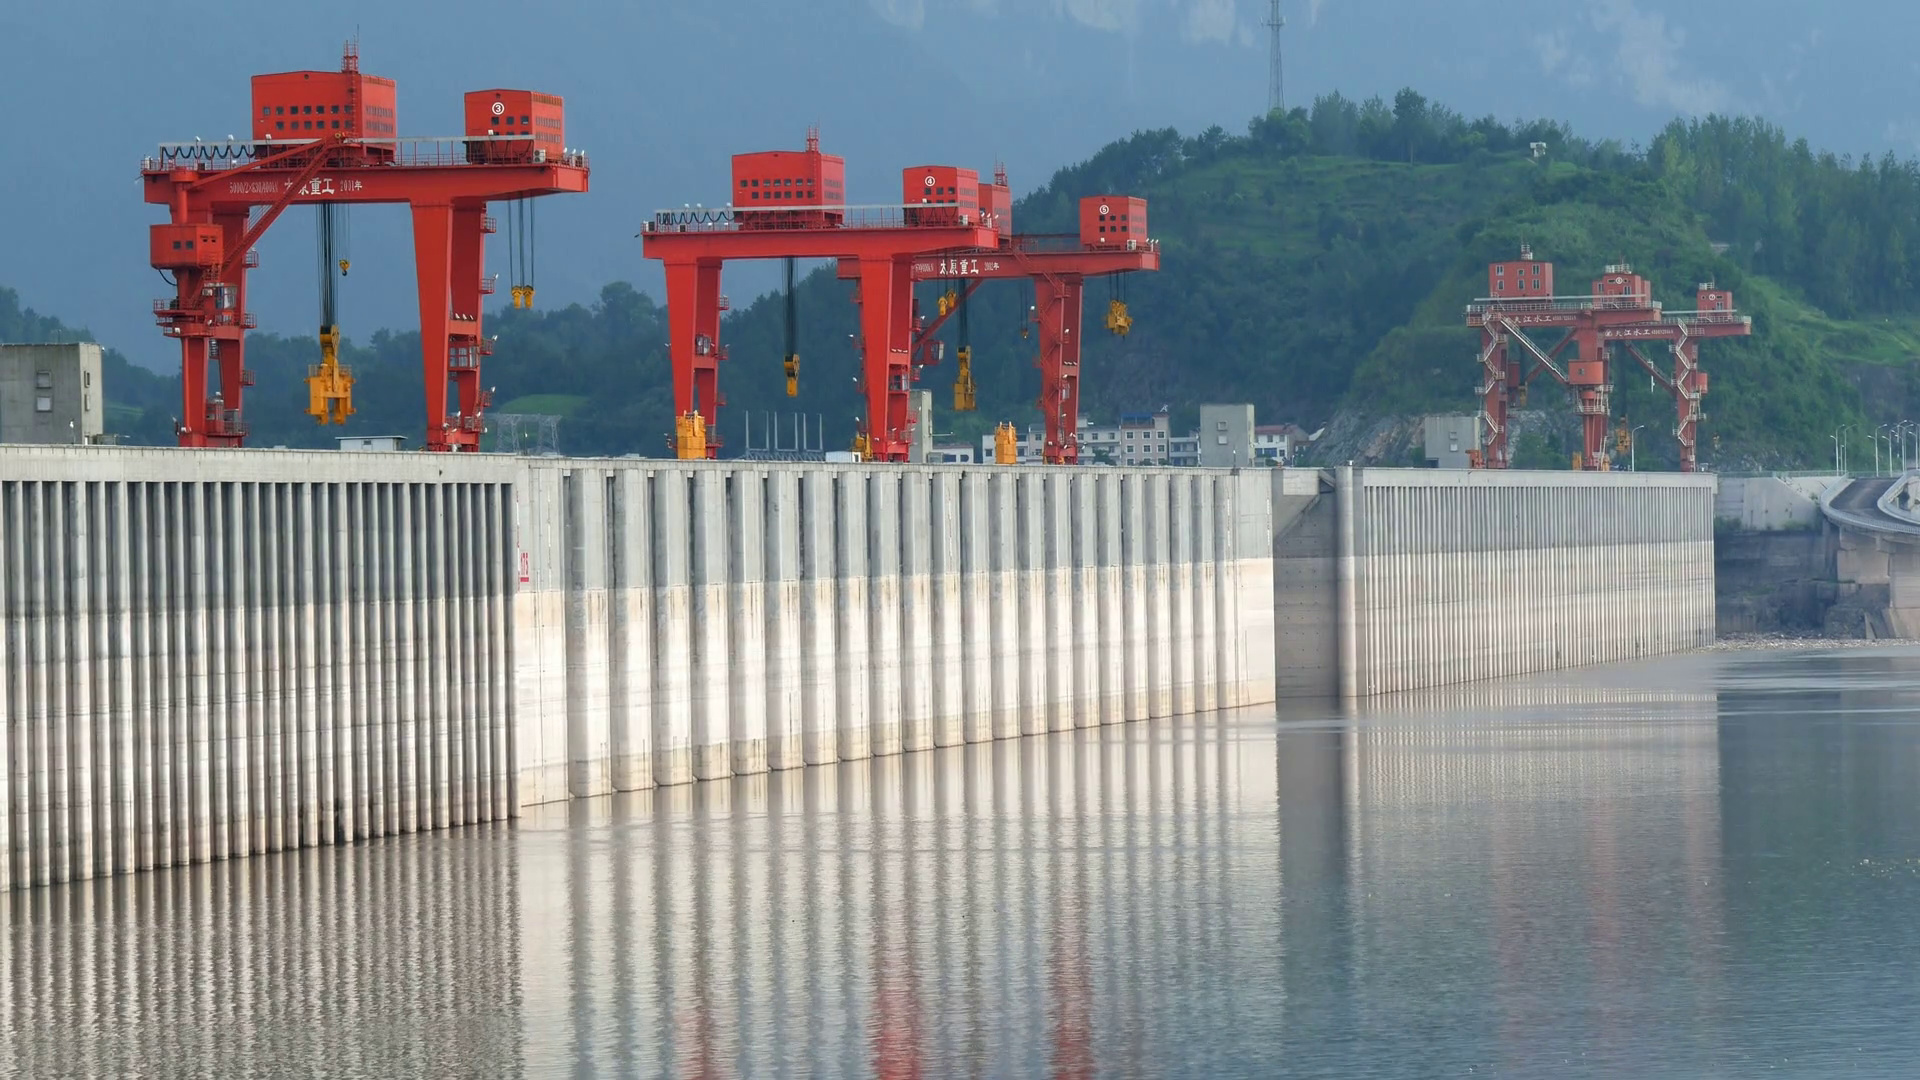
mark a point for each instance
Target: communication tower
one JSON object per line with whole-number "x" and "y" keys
{"x": 1276, "y": 76}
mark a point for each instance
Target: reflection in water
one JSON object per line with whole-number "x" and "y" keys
{"x": 1001, "y": 909}
{"x": 1701, "y": 866}
{"x": 388, "y": 959}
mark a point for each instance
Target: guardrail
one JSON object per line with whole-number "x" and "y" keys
{"x": 1889, "y": 503}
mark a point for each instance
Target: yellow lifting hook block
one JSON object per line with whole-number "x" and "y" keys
{"x": 1118, "y": 321}
{"x": 690, "y": 437}
{"x": 793, "y": 375}
{"x": 329, "y": 385}
{"x": 963, "y": 380}
{"x": 949, "y": 300}
{"x": 1006, "y": 445}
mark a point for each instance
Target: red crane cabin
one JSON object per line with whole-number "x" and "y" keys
{"x": 316, "y": 104}
{"x": 790, "y": 189}
{"x": 1112, "y": 221}
{"x": 996, "y": 203}
{"x": 1522, "y": 279}
{"x": 940, "y": 194}
{"x": 519, "y": 125}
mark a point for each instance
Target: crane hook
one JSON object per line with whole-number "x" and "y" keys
{"x": 343, "y": 267}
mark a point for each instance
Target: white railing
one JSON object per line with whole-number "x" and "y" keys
{"x": 1709, "y": 317}
{"x": 1561, "y": 303}
{"x": 410, "y": 150}
{"x": 877, "y": 216}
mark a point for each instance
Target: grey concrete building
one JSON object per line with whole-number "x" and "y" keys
{"x": 1226, "y": 436}
{"x": 51, "y": 393}
{"x": 1449, "y": 439}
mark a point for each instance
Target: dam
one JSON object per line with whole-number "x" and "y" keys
{"x": 212, "y": 654}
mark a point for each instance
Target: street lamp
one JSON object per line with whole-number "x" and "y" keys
{"x": 1633, "y": 448}
{"x": 1875, "y": 437}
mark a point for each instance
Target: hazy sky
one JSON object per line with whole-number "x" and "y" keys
{"x": 660, "y": 92}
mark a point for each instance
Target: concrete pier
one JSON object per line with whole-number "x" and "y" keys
{"x": 208, "y": 655}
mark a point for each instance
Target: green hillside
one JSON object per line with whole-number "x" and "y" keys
{"x": 1316, "y": 265}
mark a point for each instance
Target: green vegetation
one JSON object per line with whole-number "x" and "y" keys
{"x": 1316, "y": 265}
{"x": 544, "y": 404}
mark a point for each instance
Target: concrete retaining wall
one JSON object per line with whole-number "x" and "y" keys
{"x": 208, "y": 662}
{"x": 692, "y": 621}
{"x": 1765, "y": 503}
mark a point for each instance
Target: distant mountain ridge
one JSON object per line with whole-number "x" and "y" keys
{"x": 660, "y": 94}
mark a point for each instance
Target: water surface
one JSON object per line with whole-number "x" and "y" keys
{"x": 1707, "y": 866}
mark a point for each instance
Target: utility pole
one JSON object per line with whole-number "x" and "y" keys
{"x": 1276, "y": 78}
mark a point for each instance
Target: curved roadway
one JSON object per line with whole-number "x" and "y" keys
{"x": 1858, "y": 505}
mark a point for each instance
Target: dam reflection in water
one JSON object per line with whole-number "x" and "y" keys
{"x": 1601, "y": 872}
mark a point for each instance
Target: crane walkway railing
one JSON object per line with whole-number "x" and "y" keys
{"x": 419, "y": 150}
{"x": 802, "y": 217}
{"x": 1562, "y": 303}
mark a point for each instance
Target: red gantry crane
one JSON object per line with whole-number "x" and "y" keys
{"x": 328, "y": 138}
{"x": 1619, "y": 310}
{"x": 1112, "y": 241}
{"x": 788, "y": 205}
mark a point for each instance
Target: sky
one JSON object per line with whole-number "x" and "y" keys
{"x": 661, "y": 92}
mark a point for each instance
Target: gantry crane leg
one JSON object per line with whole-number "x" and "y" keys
{"x": 886, "y": 290}
{"x": 433, "y": 265}
{"x": 448, "y": 245}
{"x": 693, "y": 320}
{"x": 234, "y": 377}
{"x": 467, "y": 345}
{"x": 1688, "y": 386}
{"x": 1493, "y": 399}
{"x": 1058, "y": 301}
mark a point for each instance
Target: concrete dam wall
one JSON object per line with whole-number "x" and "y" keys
{"x": 689, "y": 622}
{"x": 207, "y": 655}
{"x": 1400, "y": 579}
{"x": 213, "y": 655}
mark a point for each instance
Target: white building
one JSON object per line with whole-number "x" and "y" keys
{"x": 1185, "y": 451}
{"x": 1146, "y": 439}
{"x": 1278, "y": 443}
{"x": 372, "y": 443}
{"x": 1138, "y": 439}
